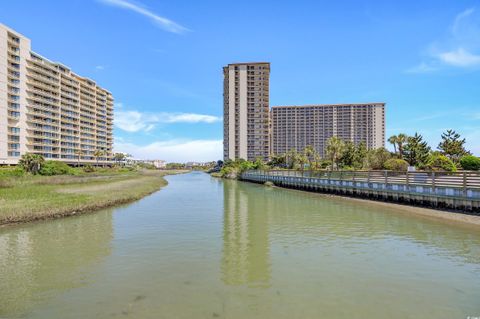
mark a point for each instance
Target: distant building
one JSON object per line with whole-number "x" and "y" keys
{"x": 157, "y": 163}
{"x": 198, "y": 164}
{"x": 295, "y": 127}
{"x": 246, "y": 111}
{"x": 47, "y": 109}
{"x": 252, "y": 130}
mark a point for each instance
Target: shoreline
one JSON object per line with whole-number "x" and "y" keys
{"x": 92, "y": 196}
{"x": 459, "y": 218}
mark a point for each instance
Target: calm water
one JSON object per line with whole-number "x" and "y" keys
{"x": 205, "y": 248}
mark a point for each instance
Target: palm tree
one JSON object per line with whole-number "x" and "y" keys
{"x": 309, "y": 153}
{"x": 118, "y": 157}
{"x": 97, "y": 154}
{"x": 31, "y": 163}
{"x": 401, "y": 140}
{"x": 302, "y": 160}
{"x": 291, "y": 158}
{"x": 393, "y": 140}
{"x": 79, "y": 153}
{"x": 335, "y": 149}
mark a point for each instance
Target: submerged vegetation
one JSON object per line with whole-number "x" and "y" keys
{"x": 344, "y": 155}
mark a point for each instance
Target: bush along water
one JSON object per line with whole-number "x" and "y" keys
{"x": 470, "y": 163}
{"x": 450, "y": 155}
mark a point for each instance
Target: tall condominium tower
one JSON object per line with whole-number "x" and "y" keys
{"x": 47, "y": 109}
{"x": 295, "y": 127}
{"x": 246, "y": 111}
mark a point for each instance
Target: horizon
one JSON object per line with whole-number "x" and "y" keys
{"x": 167, "y": 81}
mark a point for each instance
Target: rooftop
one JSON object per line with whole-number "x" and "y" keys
{"x": 324, "y": 105}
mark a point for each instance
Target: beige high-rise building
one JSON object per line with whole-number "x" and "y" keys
{"x": 246, "y": 111}
{"x": 295, "y": 127}
{"x": 47, "y": 109}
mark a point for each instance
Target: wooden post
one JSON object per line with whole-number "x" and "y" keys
{"x": 386, "y": 178}
{"x": 433, "y": 182}
{"x": 464, "y": 184}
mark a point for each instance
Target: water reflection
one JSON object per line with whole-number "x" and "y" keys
{"x": 257, "y": 218}
{"x": 246, "y": 256}
{"x": 37, "y": 261}
{"x": 208, "y": 248}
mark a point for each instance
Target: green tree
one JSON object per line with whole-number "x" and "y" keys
{"x": 291, "y": 158}
{"x": 317, "y": 162}
{"x": 310, "y": 154}
{"x": 348, "y": 156}
{"x": 453, "y": 146}
{"x": 31, "y": 163}
{"x": 79, "y": 154}
{"x": 302, "y": 160}
{"x": 439, "y": 162}
{"x": 396, "y": 164}
{"x": 376, "y": 158}
{"x": 98, "y": 153}
{"x": 360, "y": 155}
{"x": 335, "y": 149}
{"x": 417, "y": 151}
{"x": 470, "y": 163}
{"x": 402, "y": 139}
{"x": 118, "y": 157}
{"x": 278, "y": 161}
{"x": 393, "y": 140}
{"x": 259, "y": 164}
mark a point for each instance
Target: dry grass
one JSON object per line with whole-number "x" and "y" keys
{"x": 32, "y": 198}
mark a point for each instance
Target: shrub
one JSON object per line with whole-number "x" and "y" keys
{"x": 12, "y": 172}
{"x": 50, "y": 168}
{"x": 396, "y": 164}
{"x": 439, "y": 162}
{"x": 470, "y": 163}
{"x": 88, "y": 168}
{"x": 376, "y": 158}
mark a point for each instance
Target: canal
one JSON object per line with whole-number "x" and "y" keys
{"x": 208, "y": 248}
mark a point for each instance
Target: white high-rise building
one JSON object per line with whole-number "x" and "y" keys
{"x": 295, "y": 127}
{"x": 246, "y": 120}
{"x": 47, "y": 109}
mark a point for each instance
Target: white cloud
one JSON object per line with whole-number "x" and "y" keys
{"x": 459, "y": 49}
{"x": 457, "y": 25}
{"x": 175, "y": 150}
{"x": 460, "y": 57}
{"x": 163, "y": 22}
{"x": 100, "y": 67}
{"x": 422, "y": 68}
{"x": 134, "y": 121}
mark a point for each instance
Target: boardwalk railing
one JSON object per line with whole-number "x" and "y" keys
{"x": 424, "y": 186}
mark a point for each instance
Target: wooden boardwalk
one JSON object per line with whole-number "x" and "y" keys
{"x": 447, "y": 190}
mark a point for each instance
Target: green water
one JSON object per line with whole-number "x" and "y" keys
{"x": 206, "y": 248}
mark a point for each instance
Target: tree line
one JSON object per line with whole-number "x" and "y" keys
{"x": 450, "y": 155}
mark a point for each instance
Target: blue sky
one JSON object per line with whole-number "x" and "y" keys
{"x": 163, "y": 61}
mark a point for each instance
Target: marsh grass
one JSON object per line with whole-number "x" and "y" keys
{"x": 32, "y": 198}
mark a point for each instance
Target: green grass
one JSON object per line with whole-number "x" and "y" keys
{"x": 30, "y": 198}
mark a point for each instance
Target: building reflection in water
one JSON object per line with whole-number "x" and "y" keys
{"x": 38, "y": 259}
{"x": 246, "y": 251}
{"x": 257, "y": 220}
